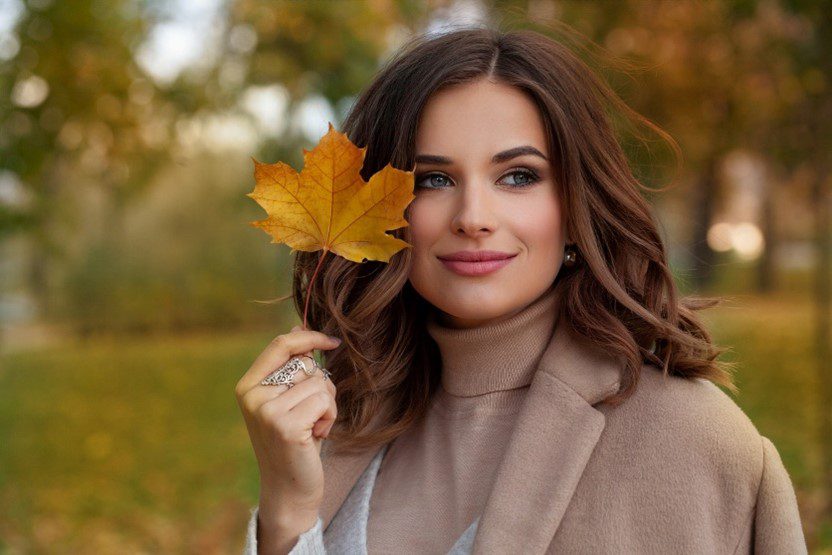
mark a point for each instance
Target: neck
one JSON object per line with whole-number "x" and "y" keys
{"x": 500, "y": 355}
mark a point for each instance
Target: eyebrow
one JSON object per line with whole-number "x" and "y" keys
{"x": 496, "y": 159}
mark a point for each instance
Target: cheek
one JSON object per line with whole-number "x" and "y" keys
{"x": 540, "y": 228}
{"x": 424, "y": 231}
{"x": 425, "y": 226}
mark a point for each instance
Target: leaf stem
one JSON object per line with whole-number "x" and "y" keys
{"x": 309, "y": 287}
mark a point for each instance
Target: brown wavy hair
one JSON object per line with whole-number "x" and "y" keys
{"x": 621, "y": 295}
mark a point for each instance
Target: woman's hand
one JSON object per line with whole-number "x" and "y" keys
{"x": 286, "y": 425}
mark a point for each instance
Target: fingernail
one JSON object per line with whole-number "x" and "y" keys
{"x": 337, "y": 340}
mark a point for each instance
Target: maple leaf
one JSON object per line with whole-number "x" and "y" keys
{"x": 329, "y": 206}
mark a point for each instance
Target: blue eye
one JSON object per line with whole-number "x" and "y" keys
{"x": 531, "y": 178}
{"x": 429, "y": 176}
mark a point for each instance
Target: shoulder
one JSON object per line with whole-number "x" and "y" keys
{"x": 691, "y": 423}
{"x": 685, "y": 446}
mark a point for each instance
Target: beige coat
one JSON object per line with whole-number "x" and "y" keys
{"x": 677, "y": 468}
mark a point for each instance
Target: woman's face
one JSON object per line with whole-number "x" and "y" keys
{"x": 467, "y": 201}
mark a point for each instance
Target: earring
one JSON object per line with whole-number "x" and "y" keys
{"x": 570, "y": 257}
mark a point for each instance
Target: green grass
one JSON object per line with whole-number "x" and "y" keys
{"x": 137, "y": 445}
{"x": 126, "y": 446}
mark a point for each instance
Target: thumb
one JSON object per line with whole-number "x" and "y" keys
{"x": 308, "y": 353}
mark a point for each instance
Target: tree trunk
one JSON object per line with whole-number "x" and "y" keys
{"x": 703, "y": 255}
{"x": 766, "y": 272}
{"x": 43, "y": 245}
{"x": 823, "y": 305}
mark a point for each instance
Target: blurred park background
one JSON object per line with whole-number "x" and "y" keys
{"x": 129, "y": 273}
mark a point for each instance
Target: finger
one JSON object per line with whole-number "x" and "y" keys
{"x": 280, "y": 350}
{"x": 316, "y": 409}
{"x": 319, "y": 428}
{"x": 295, "y": 395}
{"x": 323, "y": 419}
{"x": 261, "y": 393}
{"x": 257, "y": 396}
{"x": 312, "y": 407}
{"x": 298, "y": 327}
{"x": 324, "y": 423}
{"x": 324, "y": 432}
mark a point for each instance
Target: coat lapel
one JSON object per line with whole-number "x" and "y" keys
{"x": 555, "y": 433}
{"x": 554, "y": 436}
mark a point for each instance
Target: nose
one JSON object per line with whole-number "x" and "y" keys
{"x": 474, "y": 216}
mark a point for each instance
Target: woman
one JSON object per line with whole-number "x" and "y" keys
{"x": 557, "y": 398}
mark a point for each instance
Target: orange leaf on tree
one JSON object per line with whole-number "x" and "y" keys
{"x": 329, "y": 206}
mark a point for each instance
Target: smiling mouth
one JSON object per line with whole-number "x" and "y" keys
{"x": 476, "y": 268}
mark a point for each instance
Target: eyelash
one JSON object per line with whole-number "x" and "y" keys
{"x": 532, "y": 175}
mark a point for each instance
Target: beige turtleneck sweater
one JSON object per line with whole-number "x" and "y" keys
{"x": 434, "y": 479}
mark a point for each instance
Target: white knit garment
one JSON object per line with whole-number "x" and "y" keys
{"x": 347, "y": 533}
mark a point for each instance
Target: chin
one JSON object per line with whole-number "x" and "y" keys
{"x": 472, "y": 307}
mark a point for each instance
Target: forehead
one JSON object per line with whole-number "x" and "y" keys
{"x": 479, "y": 117}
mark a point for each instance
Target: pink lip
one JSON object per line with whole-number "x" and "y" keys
{"x": 478, "y": 268}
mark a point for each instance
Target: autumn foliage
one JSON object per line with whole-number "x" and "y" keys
{"x": 329, "y": 207}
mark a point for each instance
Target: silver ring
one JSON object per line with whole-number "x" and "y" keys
{"x": 285, "y": 375}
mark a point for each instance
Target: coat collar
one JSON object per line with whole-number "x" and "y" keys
{"x": 555, "y": 433}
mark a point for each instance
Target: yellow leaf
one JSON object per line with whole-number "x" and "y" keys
{"x": 329, "y": 206}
